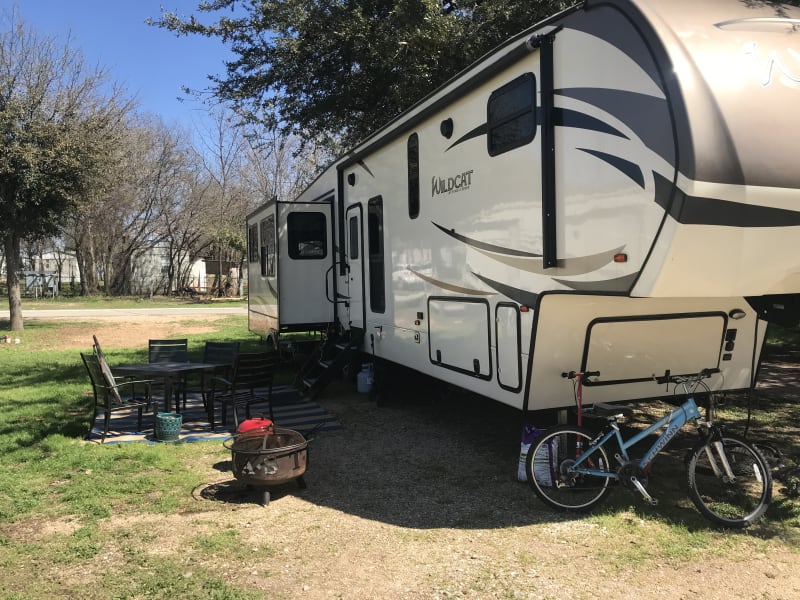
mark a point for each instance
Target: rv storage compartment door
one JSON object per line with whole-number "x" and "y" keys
{"x": 459, "y": 335}
{"x": 508, "y": 347}
{"x": 631, "y": 349}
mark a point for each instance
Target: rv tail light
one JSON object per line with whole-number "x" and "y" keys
{"x": 620, "y": 258}
{"x": 523, "y": 309}
{"x": 416, "y": 322}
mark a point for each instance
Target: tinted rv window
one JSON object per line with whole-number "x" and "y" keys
{"x": 354, "y": 235}
{"x": 268, "y": 246}
{"x": 377, "y": 292}
{"x": 307, "y": 236}
{"x": 413, "y": 176}
{"x": 511, "y": 115}
{"x": 252, "y": 243}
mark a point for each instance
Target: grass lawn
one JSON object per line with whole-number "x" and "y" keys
{"x": 77, "y": 302}
{"x": 82, "y": 520}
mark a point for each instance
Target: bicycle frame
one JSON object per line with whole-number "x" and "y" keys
{"x": 674, "y": 421}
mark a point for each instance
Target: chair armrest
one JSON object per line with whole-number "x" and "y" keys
{"x": 147, "y": 383}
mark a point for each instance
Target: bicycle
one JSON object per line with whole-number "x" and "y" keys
{"x": 729, "y": 480}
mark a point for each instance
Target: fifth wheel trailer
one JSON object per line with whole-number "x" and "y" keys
{"x": 613, "y": 189}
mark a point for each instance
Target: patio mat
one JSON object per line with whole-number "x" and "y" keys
{"x": 298, "y": 414}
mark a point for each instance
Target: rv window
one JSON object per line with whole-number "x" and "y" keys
{"x": 306, "y": 235}
{"x": 354, "y": 235}
{"x": 377, "y": 291}
{"x": 413, "y": 176}
{"x": 268, "y": 246}
{"x": 252, "y": 243}
{"x": 510, "y": 117}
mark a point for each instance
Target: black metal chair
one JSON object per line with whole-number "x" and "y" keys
{"x": 111, "y": 395}
{"x": 163, "y": 351}
{"x": 168, "y": 350}
{"x": 250, "y": 383}
{"x": 222, "y": 353}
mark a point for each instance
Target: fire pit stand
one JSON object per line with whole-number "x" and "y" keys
{"x": 262, "y": 459}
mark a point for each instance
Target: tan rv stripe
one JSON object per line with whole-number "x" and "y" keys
{"x": 566, "y": 266}
{"x": 450, "y": 287}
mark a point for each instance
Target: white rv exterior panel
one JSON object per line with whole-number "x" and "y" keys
{"x": 630, "y": 340}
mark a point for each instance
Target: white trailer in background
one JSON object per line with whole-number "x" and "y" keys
{"x": 614, "y": 189}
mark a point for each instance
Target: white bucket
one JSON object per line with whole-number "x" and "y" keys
{"x": 365, "y": 379}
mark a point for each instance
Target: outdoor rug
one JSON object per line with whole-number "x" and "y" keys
{"x": 291, "y": 411}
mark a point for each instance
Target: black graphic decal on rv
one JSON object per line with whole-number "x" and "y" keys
{"x": 572, "y": 118}
{"x": 364, "y": 166}
{"x": 523, "y": 297}
{"x": 643, "y": 114}
{"x": 626, "y": 167}
{"x": 451, "y": 185}
{"x": 477, "y": 132}
{"x": 620, "y": 284}
{"x": 449, "y": 286}
{"x": 694, "y": 210}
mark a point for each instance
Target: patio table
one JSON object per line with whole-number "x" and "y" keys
{"x": 169, "y": 372}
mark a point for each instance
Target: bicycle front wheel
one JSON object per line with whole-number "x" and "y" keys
{"x": 736, "y": 501}
{"x": 547, "y": 468}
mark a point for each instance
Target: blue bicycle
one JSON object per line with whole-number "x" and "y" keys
{"x": 729, "y": 480}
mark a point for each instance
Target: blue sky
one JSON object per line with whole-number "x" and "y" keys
{"x": 151, "y": 63}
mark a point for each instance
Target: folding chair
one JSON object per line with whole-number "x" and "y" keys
{"x": 111, "y": 395}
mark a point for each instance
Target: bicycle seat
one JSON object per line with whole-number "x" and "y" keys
{"x": 601, "y": 409}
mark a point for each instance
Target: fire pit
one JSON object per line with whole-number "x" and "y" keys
{"x": 262, "y": 459}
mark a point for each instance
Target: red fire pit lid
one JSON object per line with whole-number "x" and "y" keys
{"x": 256, "y": 425}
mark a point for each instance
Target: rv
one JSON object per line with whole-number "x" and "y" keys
{"x": 615, "y": 189}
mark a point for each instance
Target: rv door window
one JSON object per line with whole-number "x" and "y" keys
{"x": 307, "y": 235}
{"x": 354, "y": 235}
{"x": 413, "y": 176}
{"x": 510, "y": 115}
{"x": 377, "y": 287}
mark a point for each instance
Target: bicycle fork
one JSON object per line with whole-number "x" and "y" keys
{"x": 726, "y": 473}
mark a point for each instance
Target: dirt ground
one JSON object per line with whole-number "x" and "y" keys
{"x": 416, "y": 499}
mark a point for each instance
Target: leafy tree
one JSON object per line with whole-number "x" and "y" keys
{"x": 55, "y": 115}
{"x": 330, "y": 71}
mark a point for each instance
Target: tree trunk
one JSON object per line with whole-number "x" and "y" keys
{"x": 11, "y": 243}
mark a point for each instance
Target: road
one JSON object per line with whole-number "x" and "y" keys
{"x": 78, "y": 313}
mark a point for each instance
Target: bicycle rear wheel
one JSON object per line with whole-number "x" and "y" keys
{"x": 733, "y": 503}
{"x": 547, "y": 467}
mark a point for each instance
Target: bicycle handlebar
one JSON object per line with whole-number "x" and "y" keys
{"x": 669, "y": 378}
{"x": 584, "y": 376}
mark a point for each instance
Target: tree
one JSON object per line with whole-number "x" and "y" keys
{"x": 330, "y": 71}
{"x": 55, "y": 114}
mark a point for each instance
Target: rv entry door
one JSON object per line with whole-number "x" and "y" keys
{"x": 355, "y": 266}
